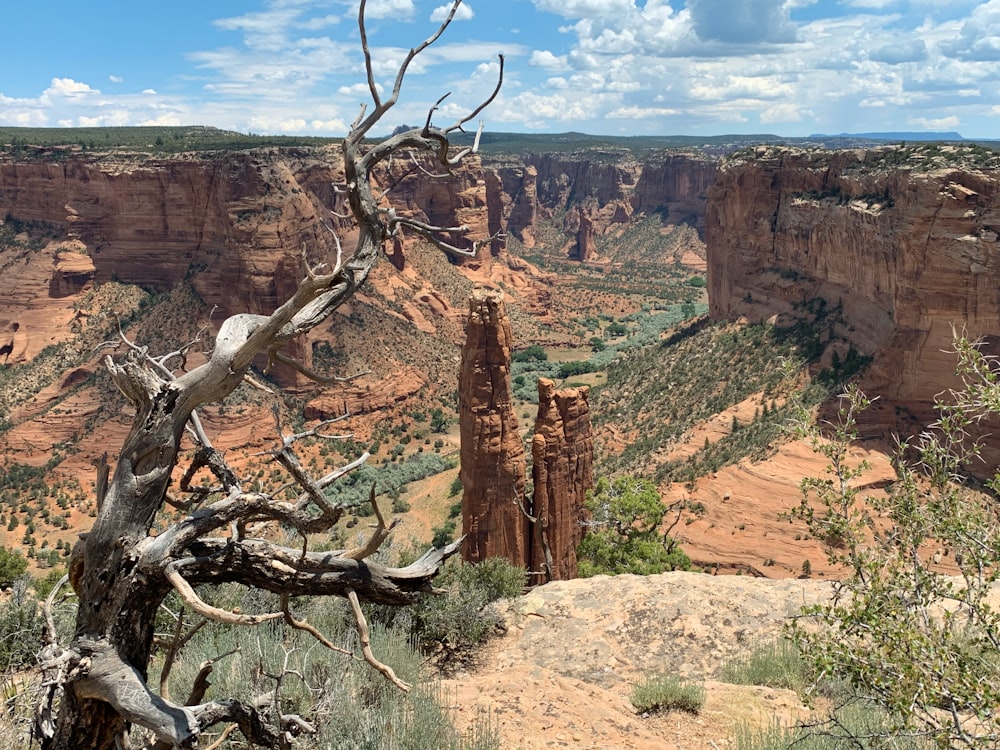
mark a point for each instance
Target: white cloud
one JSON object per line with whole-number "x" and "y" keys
{"x": 940, "y": 123}
{"x": 463, "y": 13}
{"x": 744, "y": 22}
{"x": 149, "y": 92}
{"x": 69, "y": 87}
{"x": 641, "y": 113}
{"x": 389, "y": 9}
{"x": 542, "y": 58}
{"x": 116, "y": 79}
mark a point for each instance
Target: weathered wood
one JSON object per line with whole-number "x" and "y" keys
{"x": 122, "y": 574}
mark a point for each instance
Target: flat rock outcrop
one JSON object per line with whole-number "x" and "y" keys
{"x": 562, "y": 453}
{"x": 492, "y": 453}
{"x": 902, "y": 240}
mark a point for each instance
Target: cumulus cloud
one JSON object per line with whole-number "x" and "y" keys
{"x": 69, "y": 87}
{"x": 116, "y": 79}
{"x": 464, "y": 13}
{"x": 744, "y": 22}
{"x": 389, "y": 9}
{"x": 542, "y": 58}
{"x": 902, "y": 51}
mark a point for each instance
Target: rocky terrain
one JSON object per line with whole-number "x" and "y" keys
{"x": 905, "y": 241}
{"x": 562, "y": 674}
{"x": 892, "y": 245}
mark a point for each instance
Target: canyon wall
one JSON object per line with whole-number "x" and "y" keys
{"x": 906, "y": 244}
{"x": 592, "y": 192}
{"x": 234, "y": 225}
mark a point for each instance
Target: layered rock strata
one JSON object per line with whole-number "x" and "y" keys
{"x": 492, "y": 454}
{"x": 547, "y": 185}
{"x": 562, "y": 454}
{"x": 498, "y": 520}
{"x": 904, "y": 245}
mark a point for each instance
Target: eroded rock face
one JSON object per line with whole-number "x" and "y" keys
{"x": 908, "y": 253}
{"x": 492, "y": 454}
{"x": 233, "y": 226}
{"x": 562, "y": 453}
{"x": 546, "y": 185}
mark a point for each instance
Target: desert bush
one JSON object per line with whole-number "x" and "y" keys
{"x": 776, "y": 664}
{"x": 452, "y": 625}
{"x": 919, "y": 644}
{"x": 623, "y": 534}
{"x": 667, "y": 692}
{"x": 12, "y": 566}
{"x": 350, "y": 704}
{"x": 20, "y": 628}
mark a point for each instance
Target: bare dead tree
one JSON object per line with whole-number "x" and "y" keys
{"x": 96, "y": 685}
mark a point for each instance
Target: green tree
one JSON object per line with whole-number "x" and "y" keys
{"x": 439, "y": 422}
{"x": 903, "y": 632}
{"x": 12, "y": 566}
{"x": 625, "y": 535}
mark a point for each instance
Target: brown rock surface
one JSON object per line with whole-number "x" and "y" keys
{"x": 492, "y": 454}
{"x": 562, "y": 453}
{"x": 562, "y": 674}
{"x": 908, "y": 250}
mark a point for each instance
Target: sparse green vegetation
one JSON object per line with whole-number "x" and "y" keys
{"x": 776, "y": 664}
{"x": 624, "y": 534}
{"x": 667, "y": 692}
{"x": 902, "y": 634}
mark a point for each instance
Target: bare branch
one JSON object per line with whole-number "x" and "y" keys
{"x": 312, "y": 374}
{"x": 305, "y": 626}
{"x": 380, "y": 534}
{"x": 203, "y": 608}
{"x": 364, "y": 637}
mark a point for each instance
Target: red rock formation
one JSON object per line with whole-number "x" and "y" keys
{"x": 586, "y": 244}
{"x": 352, "y": 398}
{"x": 909, "y": 251}
{"x": 492, "y": 454}
{"x": 562, "y": 453}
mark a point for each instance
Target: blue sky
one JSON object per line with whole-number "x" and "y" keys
{"x": 791, "y": 67}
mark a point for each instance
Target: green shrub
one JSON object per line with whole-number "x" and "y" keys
{"x": 20, "y": 628}
{"x": 350, "y": 704}
{"x": 624, "y": 536}
{"x": 454, "y": 623}
{"x": 776, "y": 664}
{"x": 12, "y": 566}
{"x": 667, "y": 692}
{"x": 534, "y": 353}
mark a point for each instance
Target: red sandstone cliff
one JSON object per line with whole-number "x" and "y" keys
{"x": 492, "y": 454}
{"x": 906, "y": 243}
{"x": 613, "y": 190}
{"x": 233, "y": 225}
{"x": 562, "y": 453}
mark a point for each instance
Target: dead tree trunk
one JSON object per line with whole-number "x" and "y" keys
{"x": 96, "y": 684}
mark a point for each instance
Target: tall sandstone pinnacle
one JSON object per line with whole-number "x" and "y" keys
{"x": 562, "y": 453}
{"x": 493, "y": 459}
{"x": 496, "y": 518}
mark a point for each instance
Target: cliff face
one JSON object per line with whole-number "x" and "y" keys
{"x": 233, "y": 225}
{"x": 562, "y": 453}
{"x": 593, "y": 195}
{"x": 493, "y": 460}
{"x": 908, "y": 251}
